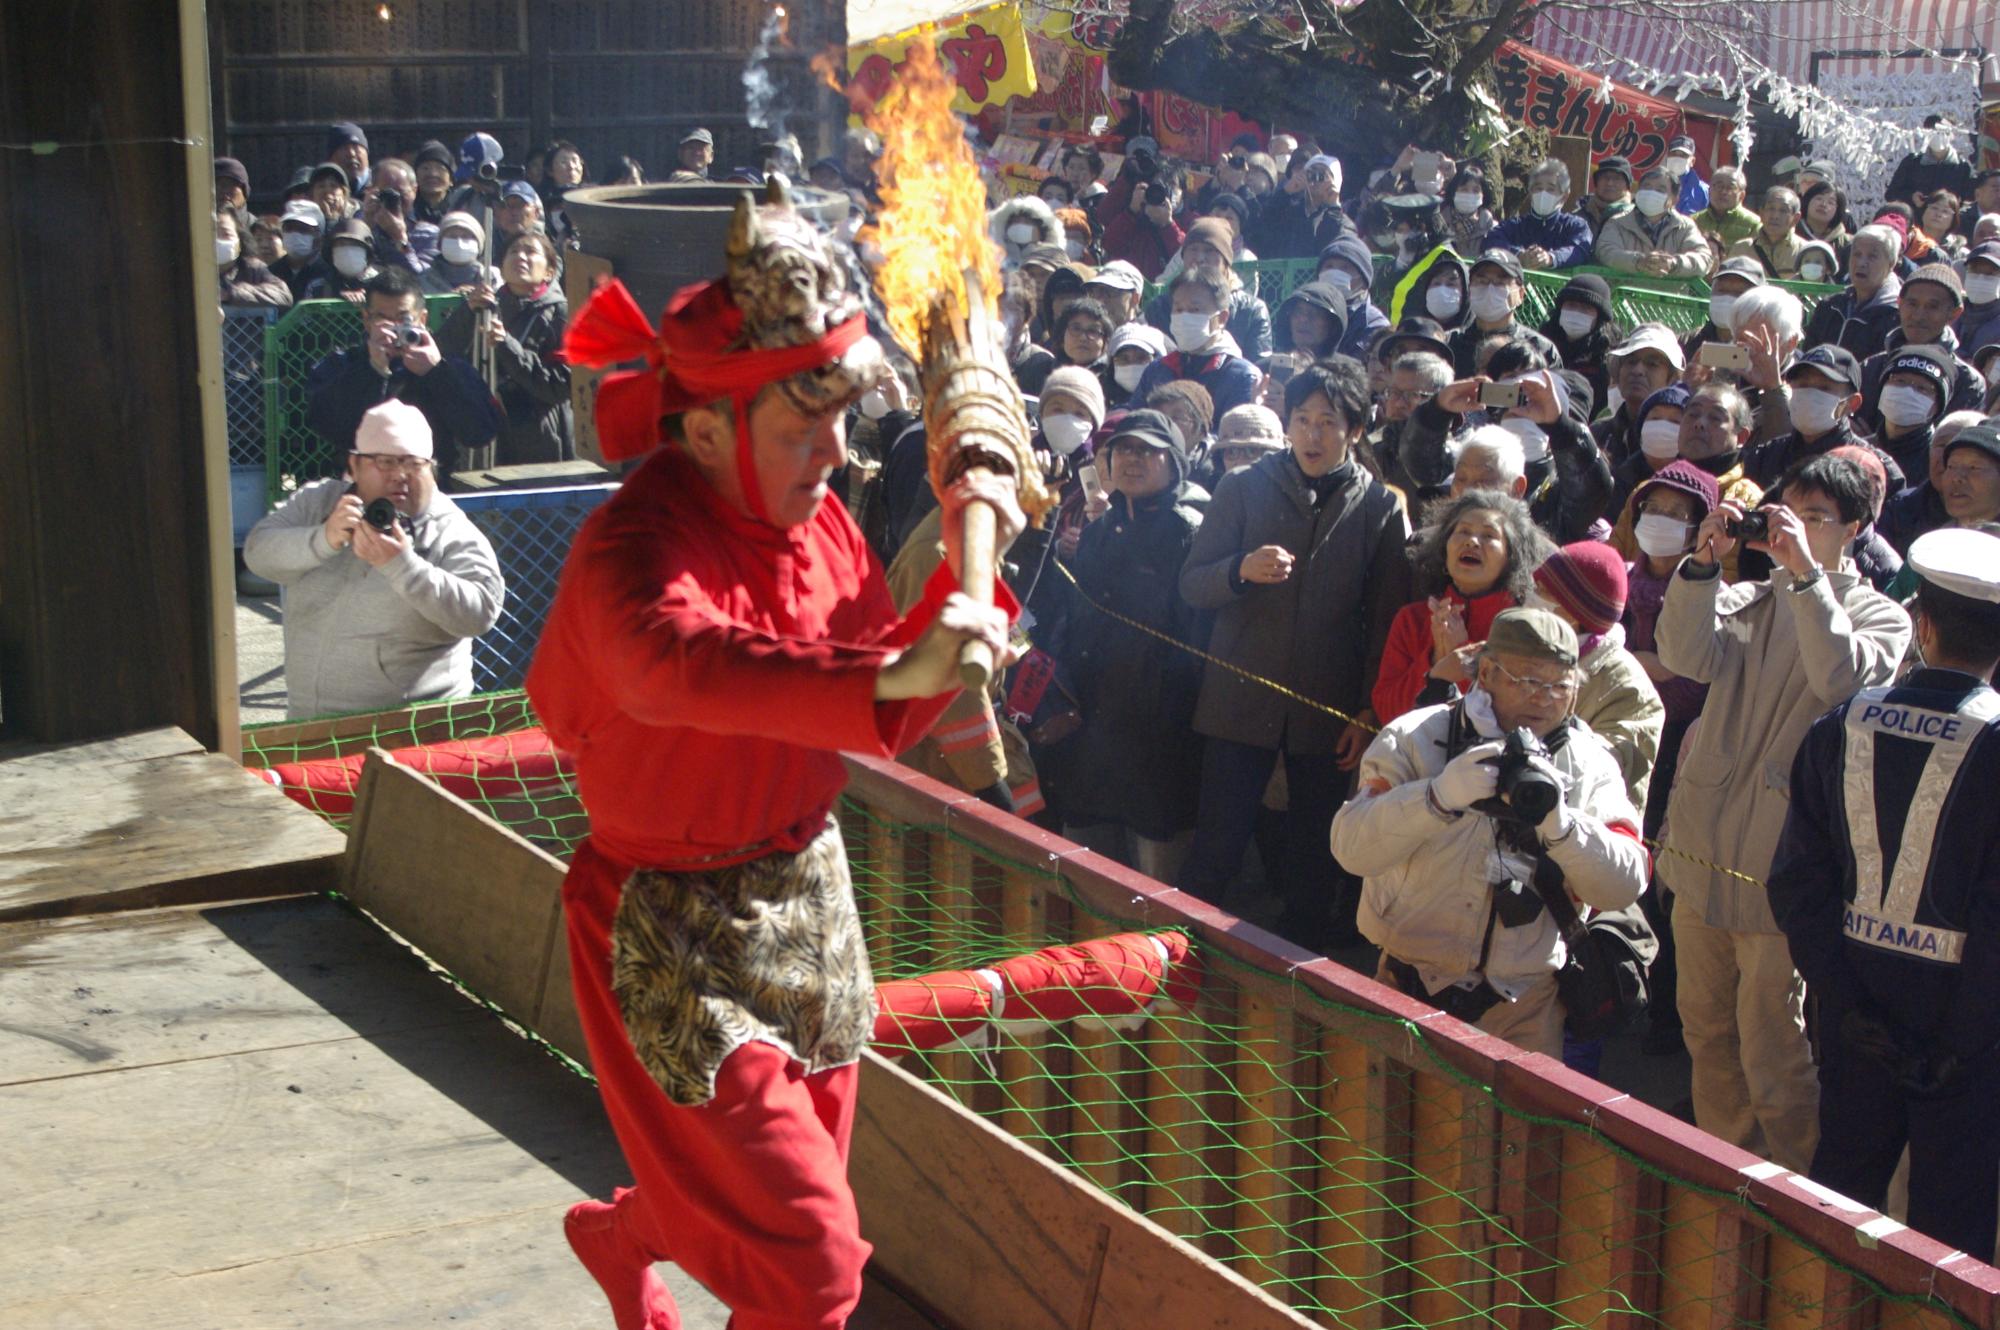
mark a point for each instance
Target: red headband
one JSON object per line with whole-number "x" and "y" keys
{"x": 688, "y": 359}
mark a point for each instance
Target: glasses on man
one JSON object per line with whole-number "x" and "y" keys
{"x": 1414, "y": 396}
{"x": 1560, "y": 691}
{"x": 394, "y": 463}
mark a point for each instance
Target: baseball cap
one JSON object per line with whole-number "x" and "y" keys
{"x": 302, "y": 212}
{"x": 1749, "y": 269}
{"x": 1535, "y": 634}
{"x": 228, "y": 168}
{"x": 1834, "y": 361}
{"x": 1788, "y": 166}
{"x": 1616, "y": 165}
{"x": 1653, "y": 337}
{"x": 518, "y": 189}
{"x": 325, "y": 169}
{"x": 1504, "y": 259}
{"x": 698, "y": 136}
{"x": 1414, "y": 333}
{"x": 1118, "y": 275}
{"x": 476, "y": 150}
{"x": 1149, "y": 427}
{"x": 1984, "y": 436}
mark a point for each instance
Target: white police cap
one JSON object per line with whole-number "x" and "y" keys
{"x": 1961, "y": 560}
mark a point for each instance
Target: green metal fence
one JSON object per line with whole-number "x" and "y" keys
{"x": 310, "y": 332}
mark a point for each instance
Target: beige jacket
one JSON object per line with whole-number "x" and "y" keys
{"x": 1775, "y": 660}
{"x": 1426, "y": 879}
{"x": 1621, "y": 706}
{"x": 1626, "y": 237}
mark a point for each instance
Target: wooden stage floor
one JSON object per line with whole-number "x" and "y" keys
{"x": 268, "y": 1113}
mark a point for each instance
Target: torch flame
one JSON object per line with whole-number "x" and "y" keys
{"x": 932, "y": 225}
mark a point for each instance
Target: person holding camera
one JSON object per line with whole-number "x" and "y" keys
{"x": 398, "y": 358}
{"x": 1138, "y": 213}
{"x": 1468, "y": 818}
{"x": 386, "y": 580}
{"x": 398, "y": 238}
{"x": 1883, "y": 883}
{"x": 525, "y": 330}
{"x": 1775, "y": 655}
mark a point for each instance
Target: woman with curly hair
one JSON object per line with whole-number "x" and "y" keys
{"x": 1477, "y": 557}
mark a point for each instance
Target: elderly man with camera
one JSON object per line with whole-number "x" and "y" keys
{"x": 1478, "y": 827}
{"x": 386, "y": 580}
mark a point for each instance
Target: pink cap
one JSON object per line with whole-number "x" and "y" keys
{"x": 395, "y": 428}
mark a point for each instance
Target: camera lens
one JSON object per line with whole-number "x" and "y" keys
{"x": 488, "y": 171}
{"x": 380, "y": 514}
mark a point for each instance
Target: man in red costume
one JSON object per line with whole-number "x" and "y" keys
{"x": 720, "y": 634}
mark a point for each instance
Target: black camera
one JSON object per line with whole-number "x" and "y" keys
{"x": 380, "y": 514}
{"x": 390, "y": 200}
{"x": 1751, "y": 526}
{"x": 1156, "y": 195}
{"x": 1532, "y": 794}
{"x": 1236, "y": 160}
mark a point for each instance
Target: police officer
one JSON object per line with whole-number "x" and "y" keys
{"x": 1886, "y": 883}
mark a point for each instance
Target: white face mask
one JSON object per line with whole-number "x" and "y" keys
{"x": 1468, "y": 202}
{"x": 1065, "y": 433}
{"x": 1444, "y": 302}
{"x": 1127, "y": 376}
{"x": 1677, "y": 165}
{"x": 1660, "y": 439}
{"x": 1719, "y": 307}
{"x": 1651, "y": 202}
{"x": 1340, "y": 279}
{"x": 1490, "y": 304}
{"x": 1812, "y": 272}
{"x": 1021, "y": 233}
{"x": 1903, "y": 405}
{"x": 225, "y": 252}
{"x": 1189, "y": 331}
{"x": 1534, "y": 439}
{"x": 1661, "y": 536}
{"x": 1576, "y": 323}
{"x": 1938, "y": 141}
{"x": 1075, "y": 248}
{"x": 350, "y": 260}
{"x": 459, "y": 250}
{"x": 1544, "y": 202}
{"x": 300, "y": 244}
{"x": 1981, "y": 287}
{"x": 874, "y": 404}
{"x": 1814, "y": 410}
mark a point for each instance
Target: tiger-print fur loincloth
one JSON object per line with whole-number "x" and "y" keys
{"x": 705, "y": 962}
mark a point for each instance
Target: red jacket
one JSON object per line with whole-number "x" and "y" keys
{"x": 1406, "y": 658}
{"x": 705, "y": 669}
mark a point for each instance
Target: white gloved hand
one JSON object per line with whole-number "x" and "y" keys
{"x": 1467, "y": 778}
{"x": 1559, "y": 822}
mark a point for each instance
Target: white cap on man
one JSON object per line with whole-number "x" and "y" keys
{"x": 394, "y": 429}
{"x": 1960, "y": 560}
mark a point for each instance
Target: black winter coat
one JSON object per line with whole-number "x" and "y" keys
{"x": 1137, "y": 760}
{"x": 534, "y": 384}
{"x": 341, "y": 388}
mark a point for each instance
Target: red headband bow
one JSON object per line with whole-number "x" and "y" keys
{"x": 689, "y": 360}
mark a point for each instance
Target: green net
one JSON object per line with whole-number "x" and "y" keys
{"x": 1360, "y": 1171}
{"x": 310, "y": 332}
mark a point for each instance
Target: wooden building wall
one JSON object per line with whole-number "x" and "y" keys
{"x": 613, "y": 76}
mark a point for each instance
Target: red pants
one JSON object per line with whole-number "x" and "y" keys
{"x": 747, "y": 1193}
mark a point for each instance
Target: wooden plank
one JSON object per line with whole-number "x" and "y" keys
{"x": 138, "y": 822}
{"x": 1637, "y": 1248}
{"x": 1029, "y": 1111}
{"x": 995, "y": 1235}
{"x": 1383, "y": 1167}
{"x": 1530, "y": 1215}
{"x": 108, "y": 993}
{"x": 1737, "y": 1294}
{"x": 479, "y": 900}
{"x": 1268, "y": 1155}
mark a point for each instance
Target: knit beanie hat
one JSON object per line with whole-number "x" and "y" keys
{"x": 1587, "y": 580}
{"x": 1081, "y": 384}
{"x": 1940, "y": 274}
{"x": 1193, "y": 393}
{"x": 394, "y": 429}
{"x": 1213, "y": 232}
{"x": 1686, "y": 477}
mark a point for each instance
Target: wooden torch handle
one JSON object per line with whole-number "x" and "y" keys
{"x": 977, "y": 561}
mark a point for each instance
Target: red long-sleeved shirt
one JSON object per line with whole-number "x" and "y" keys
{"x": 705, "y": 669}
{"x": 1406, "y": 657}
